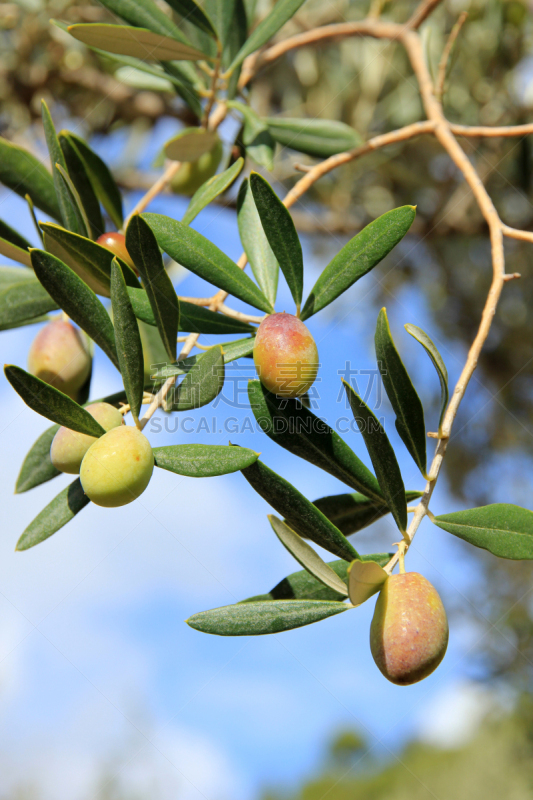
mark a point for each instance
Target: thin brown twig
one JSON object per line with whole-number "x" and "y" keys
{"x": 443, "y": 64}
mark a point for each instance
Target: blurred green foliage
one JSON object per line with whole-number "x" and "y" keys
{"x": 497, "y": 762}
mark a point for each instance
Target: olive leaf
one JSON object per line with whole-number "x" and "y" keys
{"x": 203, "y": 460}
{"x": 505, "y": 530}
{"x": 127, "y": 340}
{"x": 365, "y": 578}
{"x": 437, "y": 361}
{"x": 54, "y": 516}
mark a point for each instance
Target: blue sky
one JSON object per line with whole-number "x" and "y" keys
{"x": 101, "y": 679}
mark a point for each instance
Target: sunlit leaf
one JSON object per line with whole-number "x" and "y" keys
{"x": 306, "y": 556}
{"x": 255, "y": 243}
{"x": 82, "y": 222}
{"x": 382, "y": 456}
{"x": 402, "y": 394}
{"x": 203, "y": 460}
{"x": 281, "y": 234}
{"x": 302, "y": 586}
{"x": 503, "y": 529}
{"x": 89, "y": 260}
{"x": 61, "y": 510}
{"x": 136, "y": 42}
{"x": 255, "y": 619}
{"x": 358, "y": 257}
{"x": 15, "y": 253}
{"x": 193, "y": 251}
{"x": 438, "y": 363}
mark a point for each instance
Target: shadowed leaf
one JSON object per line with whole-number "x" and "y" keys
{"x": 61, "y": 510}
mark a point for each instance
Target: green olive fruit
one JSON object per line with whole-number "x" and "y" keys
{"x": 193, "y": 174}
{"x": 117, "y": 468}
{"x": 59, "y": 355}
{"x": 285, "y": 355}
{"x": 409, "y": 630}
{"x": 69, "y": 447}
{"x": 116, "y": 243}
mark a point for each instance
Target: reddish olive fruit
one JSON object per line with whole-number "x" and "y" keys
{"x": 285, "y": 355}
{"x": 116, "y": 242}
{"x": 409, "y": 630}
{"x": 117, "y": 468}
{"x": 60, "y": 356}
{"x": 69, "y": 447}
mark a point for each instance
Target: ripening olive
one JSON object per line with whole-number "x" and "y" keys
{"x": 409, "y": 630}
{"x": 69, "y": 447}
{"x": 285, "y": 355}
{"x": 59, "y": 355}
{"x": 116, "y": 243}
{"x": 117, "y": 468}
{"x": 193, "y": 174}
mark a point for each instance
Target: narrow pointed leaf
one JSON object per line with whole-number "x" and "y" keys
{"x": 300, "y": 514}
{"x": 193, "y": 318}
{"x": 281, "y": 234}
{"x": 190, "y": 144}
{"x": 80, "y": 178}
{"x": 135, "y": 42}
{"x": 503, "y": 529}
{"x": 358, "y": 257}
{"x": 211, "y": 189}
{"x": 68, "y": 214}
{"x": 24, "y": 301}
{"x": 256, "y": 137}
{"x": 402, "y": 394}
{"x": 61, "y": 510}
{"x": 306, "y": 556}
{"x": 203, "y": 460}
{"x": 365, "y": 579}
{"x": 302, "y": 586}
{"x": 89, "y": 260}
{"x": 203, "y": 382}
{"x": 128, "y": 341}
{"x": 51, "y": 403}
{"x": 9, "y": 234}
{"x": 76, "y": 299}
{"x": 276, "y": 19}
{"x": 194, "y": 14}
{"x": 382, "y": 456}
{"x": 320, "y": 138}
{"x": 352, "y": 512}
{"x": 100, "y": 177}
{"x": 438, "y": 363}
{"x": 146, "y": 14}
{"x": 15, "y": 253}
{"x": 82, "y": 223}
{"x": 24, "y": 174}
{"x": 193, "y": 251}
{"x": 256, "y": 619}
{"x": 142, "y": 246}
{"x": 255, "y": 243}
{"x": 299, "y": 431}
{"x": 37, "y": 467}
